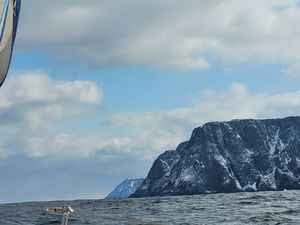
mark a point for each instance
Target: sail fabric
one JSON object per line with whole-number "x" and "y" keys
{"x": 9, "y": 17}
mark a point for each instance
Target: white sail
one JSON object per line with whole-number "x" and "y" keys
{"x": 7, "y": 33}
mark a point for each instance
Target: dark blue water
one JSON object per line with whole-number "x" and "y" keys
{"x": 239, "y": 208}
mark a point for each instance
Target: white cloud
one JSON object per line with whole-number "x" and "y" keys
{"x": 34, "y": 108}
{"x": 177, "y": 34}
{"x": 37, "y": 86}
{"x": 293, "y": 70}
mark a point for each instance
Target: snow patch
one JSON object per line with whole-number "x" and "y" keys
{"x": 298, "y": 161}
{"x": 270, "y": 179}
{"x": 250, "y": 187}
{"x": 166, "y": 164}
{"x": 186, "y": 175}
{"x": 221, "y": 160}
{"x": 274, "y": 142}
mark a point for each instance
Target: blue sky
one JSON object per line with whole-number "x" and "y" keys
{"x": 94, "y": 94}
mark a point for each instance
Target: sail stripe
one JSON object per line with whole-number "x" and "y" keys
{"x": 17, "y": 8}
{"x": 3, "y": 19}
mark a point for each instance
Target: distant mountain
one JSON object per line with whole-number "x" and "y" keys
{"x": 234, "y": 156}
{"x": 126, "y": 188}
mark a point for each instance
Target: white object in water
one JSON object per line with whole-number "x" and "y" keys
{"x": 66, "y": 211}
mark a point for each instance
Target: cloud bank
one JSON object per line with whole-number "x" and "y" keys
{"x": 174, "y": 34}
{"x": 34, "y": 109}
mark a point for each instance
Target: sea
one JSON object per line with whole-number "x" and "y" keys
{"x": 237, "y": 208}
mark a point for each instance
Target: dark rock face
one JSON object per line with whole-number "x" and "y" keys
{"x": 234, "y": 156}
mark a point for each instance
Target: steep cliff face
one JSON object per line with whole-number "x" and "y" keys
{"x": 239, "y": 155}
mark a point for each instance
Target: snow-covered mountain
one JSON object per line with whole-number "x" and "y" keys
{"x": 234, "y": 156}
{"x": 126, "y": 188}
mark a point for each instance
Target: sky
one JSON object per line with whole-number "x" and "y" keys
{"x": 98, "y": 89}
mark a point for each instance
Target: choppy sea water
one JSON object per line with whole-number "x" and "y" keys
{"x": 238, "y": 208}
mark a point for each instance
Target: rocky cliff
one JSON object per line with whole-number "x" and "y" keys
{"x": 234, "y": 156}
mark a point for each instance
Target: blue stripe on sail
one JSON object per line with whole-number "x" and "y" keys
{"x": 17, "y": 8}
{"x": 3, "y": 19}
